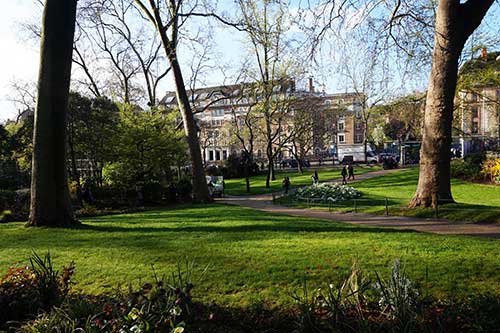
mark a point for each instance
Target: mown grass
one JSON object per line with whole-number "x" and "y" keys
{"x": 252, "y": 256}
{"x": 474, "y": 202}
{"x": 237, "y": 186}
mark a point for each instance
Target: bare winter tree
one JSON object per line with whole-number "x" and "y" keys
{"x": 265, "y": 25}
{"x": 168, "y": 17}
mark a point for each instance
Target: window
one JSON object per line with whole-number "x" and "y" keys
{"x": 358, "y": 125}
{"x": 217, "y": 155}
{"x": 475, "y": 127}
{"x": 359, "y": 138}
{"x": 341, "y": 126}
{"x": 341, "y": 138}
{"x": 474, "y": 112}
{"x": 210, "y": 155}
{"x": 217, "y": 112}
{"x": 224, "y": 154}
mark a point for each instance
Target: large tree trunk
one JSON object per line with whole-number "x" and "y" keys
{"x": 50, "y": 202}
{"x": 454, "y": 24}
{"x": 200, "y": 188}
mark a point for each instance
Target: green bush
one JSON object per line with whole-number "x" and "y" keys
{"x": 14, "y": 205}
{"x": 468, "y": 168}
{"x": 184, "y": 189}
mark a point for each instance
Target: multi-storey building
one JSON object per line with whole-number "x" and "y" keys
{"x": 479, "y": 104}
{"x": 336, "y": 118}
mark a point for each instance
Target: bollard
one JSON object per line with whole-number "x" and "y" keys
{"x": 386, "y": 207}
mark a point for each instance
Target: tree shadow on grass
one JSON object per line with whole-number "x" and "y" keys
{"x": 280, "y": 227}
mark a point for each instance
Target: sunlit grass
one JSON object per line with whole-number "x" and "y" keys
{"x": 258, "y": 183}
{"x": 251, "y": 255}
{"x": 474, "y": 202}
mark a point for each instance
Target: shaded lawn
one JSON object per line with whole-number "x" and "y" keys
{"x": 474, "y": 202}
{"x": 258, "y": 183}
{"x": 252, "y": 256}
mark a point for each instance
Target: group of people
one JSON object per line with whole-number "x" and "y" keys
{"x": 347, "y": 173}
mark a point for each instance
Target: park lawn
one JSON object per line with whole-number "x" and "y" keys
{"x": 237, "y": 186}
{"x": 252, "y": 257}
{"x": 474, "y": 202}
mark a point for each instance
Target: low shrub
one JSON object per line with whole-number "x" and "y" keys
{"x": 326, "y": 193}
{"x": 14, "y": 205}
{"x": 465, "y": 169}
{"x": 491, "y": 170}
{"x": 24, "y": 291}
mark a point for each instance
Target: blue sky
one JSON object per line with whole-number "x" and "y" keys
{"x": 19, "y": 58}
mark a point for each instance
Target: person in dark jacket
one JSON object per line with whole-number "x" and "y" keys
{"x": 344, "y": 175}
{"x": 350, "y": 171}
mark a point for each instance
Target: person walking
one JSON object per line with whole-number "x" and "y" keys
{"x": 350, "y": 171}
{"x": 315, "y": 178}
{"x": 344, "y": 175}
{"x": 286, "y": 184}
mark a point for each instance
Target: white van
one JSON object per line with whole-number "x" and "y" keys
{"x": 356, "y": 154}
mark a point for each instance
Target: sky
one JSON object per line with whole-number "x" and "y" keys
{"x": 18, "y": 59}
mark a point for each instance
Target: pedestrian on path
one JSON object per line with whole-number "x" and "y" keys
{"x": 286, "y": 184}
{"x": 315, "y": 178}
{"x": 350, "y": 170}
{"x": 344, "y": 175}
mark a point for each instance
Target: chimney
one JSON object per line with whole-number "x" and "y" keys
{"x": 311, "y": 86}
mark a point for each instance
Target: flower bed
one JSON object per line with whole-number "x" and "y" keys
{"x": 326, "y": 193}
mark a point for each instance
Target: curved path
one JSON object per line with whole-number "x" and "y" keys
{"x": 439, "y": 226}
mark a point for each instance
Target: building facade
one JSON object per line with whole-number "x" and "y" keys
{"x": 335, "y": 119}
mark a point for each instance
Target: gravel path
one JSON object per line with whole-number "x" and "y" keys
{"x": 438, "y": 226}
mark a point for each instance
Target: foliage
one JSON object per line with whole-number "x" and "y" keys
{"x": 146, "y": 147}
{"x": 16, "y": 203}
{"x": 26, "y": 290}
{"x": 354, "y": 304}
{"x": 235, "y": 166}
{"x": 468, "y": 168}
{"x": 398, "y": 297}
{"x": 161, "y": 306}
{"x": 92, "y": 127}
{"x": 326, "y": 193}
{"x": 491, "y": 170}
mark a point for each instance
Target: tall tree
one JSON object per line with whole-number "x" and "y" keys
{"x": 455, "y": 22}
{"x": 169, "y": 34}
{"x": 50, "y": 201}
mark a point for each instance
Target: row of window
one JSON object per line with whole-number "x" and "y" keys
{"x": 217, "y": 155}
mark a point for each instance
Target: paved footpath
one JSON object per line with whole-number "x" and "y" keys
{"x": 438, "y": 226}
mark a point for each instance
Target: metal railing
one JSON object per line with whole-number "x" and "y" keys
{"x": 356, "y": 205}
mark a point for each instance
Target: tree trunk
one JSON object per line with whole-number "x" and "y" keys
{"x": 50, "y": 202}
{"x": 200, "y": 188}
{"x": 270, "y": 164}
{"x": 455, "y": 22}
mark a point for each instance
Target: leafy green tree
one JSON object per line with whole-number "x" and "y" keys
{"x": 148, "y": 146}
{"x": 92, "y": 125}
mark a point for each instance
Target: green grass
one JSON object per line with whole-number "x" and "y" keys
{"x": 474, "y": 202}
{"x": 252, "y": 256}
{"x": 258, "y": 183}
